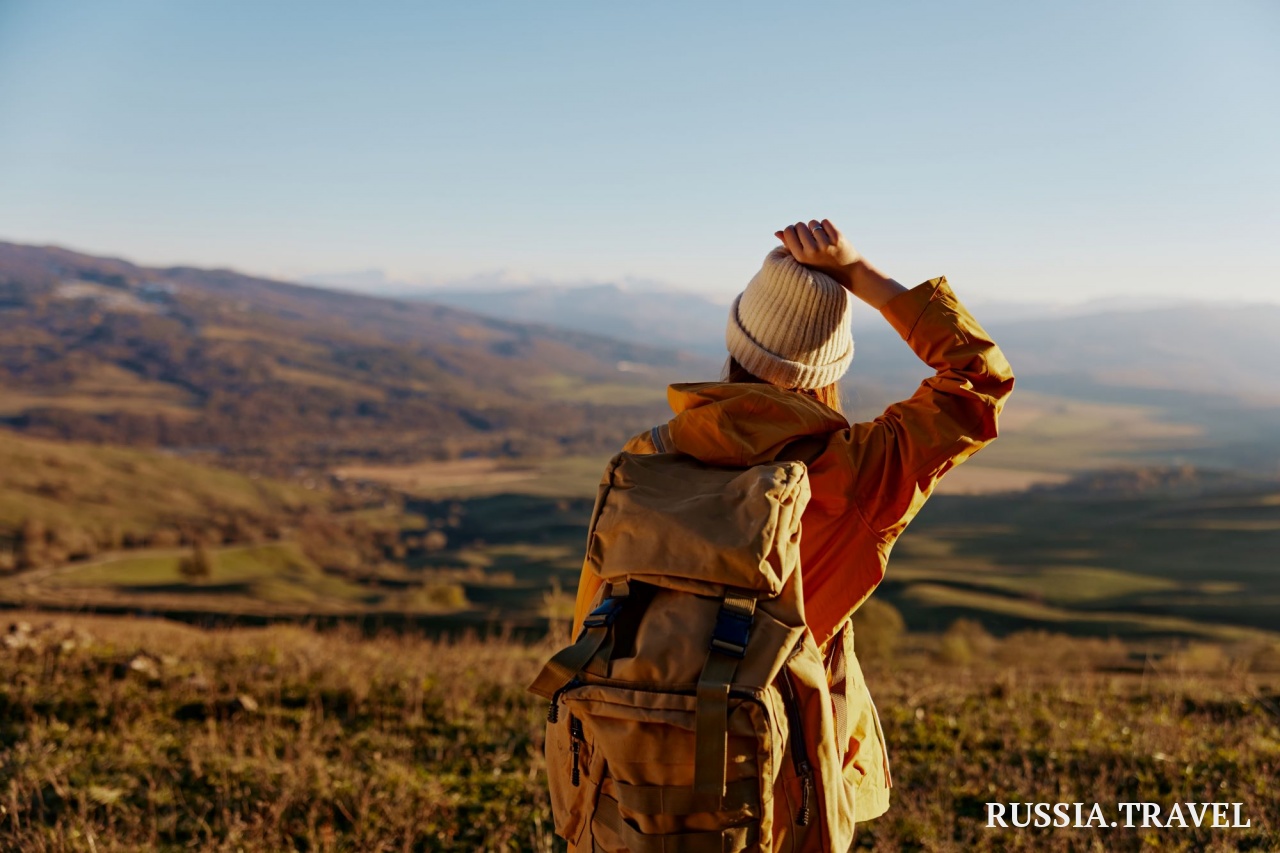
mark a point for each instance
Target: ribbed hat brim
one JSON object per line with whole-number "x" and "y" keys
{"x": 776, "y": 369}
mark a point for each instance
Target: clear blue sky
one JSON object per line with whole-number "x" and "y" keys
{"x": 1027, "y": 150}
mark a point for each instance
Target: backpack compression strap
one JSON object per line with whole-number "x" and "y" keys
{"x": 569, "y": 661}
{"x": 711, "y": 727}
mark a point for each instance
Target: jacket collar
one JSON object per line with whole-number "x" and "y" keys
{"x": 739, "y": 424}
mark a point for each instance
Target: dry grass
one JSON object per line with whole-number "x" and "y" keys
{"x": 563, "y": 476}
{"x": 1038, "y": 725}
{"x": 146, "y": 734}
{"x": 121, "y": 734}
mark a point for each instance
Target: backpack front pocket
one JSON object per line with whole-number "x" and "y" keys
{"x": 647, "y": 747}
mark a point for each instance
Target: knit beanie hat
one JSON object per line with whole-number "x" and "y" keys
{"x": 790, "y": 326}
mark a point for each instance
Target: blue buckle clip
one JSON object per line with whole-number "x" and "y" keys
{"x": 731, "y": 633}
{"x": 604, "y": 614}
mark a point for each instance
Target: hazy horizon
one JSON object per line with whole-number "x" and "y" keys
{"x": 375, "y": 282}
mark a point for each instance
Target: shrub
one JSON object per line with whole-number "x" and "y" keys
{"x": 198, "y": 566}
{"x": 878, "y": 628}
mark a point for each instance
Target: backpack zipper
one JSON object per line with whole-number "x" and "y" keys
{"x": 553, "y": 710}
{"x": 575, "y": 745}
{"x": 690, "y": 689}
{"x": 799, "y": 753}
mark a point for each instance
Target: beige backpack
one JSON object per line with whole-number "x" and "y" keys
{"x": 693, "y": 712}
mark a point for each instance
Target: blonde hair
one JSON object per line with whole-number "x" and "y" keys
{"x": 828, "y": 395}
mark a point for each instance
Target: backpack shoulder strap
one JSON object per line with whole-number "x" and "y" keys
{"x": 660, "y": 435}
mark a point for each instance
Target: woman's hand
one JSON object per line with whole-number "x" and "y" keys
{"x": 821, "y": 245}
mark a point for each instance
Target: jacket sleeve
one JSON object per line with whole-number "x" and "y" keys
{"x": 900, "y": 456}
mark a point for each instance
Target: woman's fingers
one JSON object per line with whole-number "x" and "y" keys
{"x": 809, "y": 241}
{"x": 819, "y": 245}
{"x": 832, "y": 231}
{"x": 792, "y": 241}
{"x": 806, "y": 237}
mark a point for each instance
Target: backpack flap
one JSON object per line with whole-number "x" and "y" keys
{"x": 672, "y": 521}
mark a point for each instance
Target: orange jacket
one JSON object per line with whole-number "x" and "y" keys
{"x": 868, "y": 483}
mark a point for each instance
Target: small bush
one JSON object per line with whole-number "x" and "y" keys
{"x": 199, "y": 566}
{"x": 878, "y": 629}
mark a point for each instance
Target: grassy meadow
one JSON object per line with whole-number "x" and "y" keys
{"x": 131, "y": 734}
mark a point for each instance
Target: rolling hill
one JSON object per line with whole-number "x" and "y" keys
{"x": 92, "y": 527}
{"x": 274, "y": 374}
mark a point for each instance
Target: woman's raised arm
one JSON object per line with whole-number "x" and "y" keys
{"x": 899, "y": 457}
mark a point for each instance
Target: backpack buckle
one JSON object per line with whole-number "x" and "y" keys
{"x": 732, "y": 630}
{"x": 605, "y": 614}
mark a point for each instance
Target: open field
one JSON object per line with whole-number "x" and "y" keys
{"x": 567, "y": 476}
{"x": 1170, "y": 559}
{"x": 1031, "y": 532}
{"x": 572, "y": 389}
{"x": 1136, "y": 554}
{"x": 1044, "y": 440}
{"x": 273, "y": 574}
{"x": 246, "y": 583}
{"x": 1141, "y": 554}
{"x": 578, "y": 475}
{"x": 139, "y": 733}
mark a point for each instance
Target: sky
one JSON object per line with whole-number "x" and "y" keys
{"x": 1030, "y": 152}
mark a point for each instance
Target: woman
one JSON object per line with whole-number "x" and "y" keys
{"x": 789, "y": 343}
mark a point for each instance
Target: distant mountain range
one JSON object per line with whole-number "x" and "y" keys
{"x": 1124, "y": 343}
{"x": 242, "y": 367}
{"x": 1206, "y": 365}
